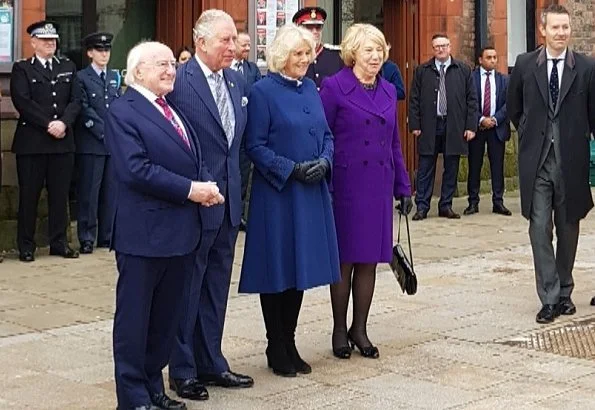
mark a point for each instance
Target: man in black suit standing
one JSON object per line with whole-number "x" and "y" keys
{"x": 251, "y": 74}
{"x": 45, "y": 92}
{"x": 493, "y": 129}
{"x": 551, "y": 102}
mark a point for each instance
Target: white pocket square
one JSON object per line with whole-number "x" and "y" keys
{"x": 244, "y": 101}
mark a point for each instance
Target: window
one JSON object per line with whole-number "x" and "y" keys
{"x": 9, "y": 49}
{"x": 517, "y": 29}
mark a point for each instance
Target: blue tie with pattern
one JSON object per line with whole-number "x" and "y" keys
{"x": 554, "y": 82}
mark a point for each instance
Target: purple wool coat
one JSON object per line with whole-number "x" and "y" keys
{"x": 368, "y": 167}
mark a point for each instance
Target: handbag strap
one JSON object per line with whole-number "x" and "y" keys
{"x": 408, "y": 236}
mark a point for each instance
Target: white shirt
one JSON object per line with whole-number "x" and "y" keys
{"x": 213, "y": 86}
{"x": 98, "y": 71}
{"x": 483, "y": 77}
{"x": 560, "y": 66}
{"x": 149, "y": 95}
{"x": 235, "y": 63}
{"x": 438, "y": 64}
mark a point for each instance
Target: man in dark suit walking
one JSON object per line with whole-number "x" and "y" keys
{"x": 158, "y": 171}
{"x": 494, "y": 129}
{"x": 99, "y": 87}
{"x": 214, "y": 98}
{"x": 251, "y": 74}
{"x": 45, "y": 92}
{"x": 442, "y": 106}
{"x": 551, "y": 102}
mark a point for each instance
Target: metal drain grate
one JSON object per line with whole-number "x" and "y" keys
{"x": 575, "y": 339}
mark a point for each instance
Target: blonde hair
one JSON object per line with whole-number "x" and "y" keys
{"x": 288, "y": 39}
{"x": 355, "y": 37}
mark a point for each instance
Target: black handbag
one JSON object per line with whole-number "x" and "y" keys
{"x": 401, "y": 266}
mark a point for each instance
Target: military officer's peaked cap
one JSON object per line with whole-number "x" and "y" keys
{"x": 44, "y": 29}
{"x": 99, "y": 41}
{"x": 309, "y": 15}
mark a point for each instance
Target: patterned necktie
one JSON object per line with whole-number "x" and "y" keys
{"x": 487, "y": 96}
{"x": 222, "y": 106}
{"x": 554, "y": 82}
{"x": 442, "y": 91}
{"x": 169, "y": 115}
{"x": 240, "y": 67}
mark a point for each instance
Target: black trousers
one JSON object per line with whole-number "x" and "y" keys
{"x": 54, "y": 171}
{"x": 496, "y": 150}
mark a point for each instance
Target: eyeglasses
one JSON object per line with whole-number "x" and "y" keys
{"x": 441, "y": 46}
{"x": 163, "y": 65}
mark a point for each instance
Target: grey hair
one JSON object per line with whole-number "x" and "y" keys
{"x": 204, "y": 26}
{"x": 136, "y": 56}
{"x": 288, "y": 38}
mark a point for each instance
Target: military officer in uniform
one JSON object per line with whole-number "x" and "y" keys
{"x": 45, "y": 92}
{"x": 99, "y": 87}
{"x": 328, "y": 58}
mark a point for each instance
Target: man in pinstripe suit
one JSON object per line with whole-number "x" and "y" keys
{"x": 214, "y": 98}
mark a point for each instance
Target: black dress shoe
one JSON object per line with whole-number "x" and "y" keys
{"x": 566, "y": 307}
{"x": 471, "y": 209}
{"x": 161, "y": 401}
{"x": 104, "y": 244}
{"x": 65, "y": 252}
{"x": 370, "y": 351}
{"x": 226, "y": 379}
{"x": 86, "y": 247}
{"x": 547, "y": 314}
{"x": 145, "y": 407}
{"x": 593, "y": 301}
{"x": 26, "y": 256}
{"x": 420, "y": 215}
{"x": 501, "y": 209}
{"x": 190, "y": 389}
{"x": 448, "y": 213}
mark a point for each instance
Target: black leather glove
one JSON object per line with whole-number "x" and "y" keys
{"x": 406, "y": 205}
{"x": 316, "y": 173}
{"x": 300, "y": 169}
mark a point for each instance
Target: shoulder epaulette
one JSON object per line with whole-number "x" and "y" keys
{"x": 332, "y": 47}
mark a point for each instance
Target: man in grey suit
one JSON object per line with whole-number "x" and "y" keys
{"x": 214, "y": 98}
{"x": 551, "y": 102}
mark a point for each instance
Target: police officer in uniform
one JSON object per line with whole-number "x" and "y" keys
{"x": 99, "y": 87}
{"x": 328, "y": 58}
{"x": 45, "y": 92}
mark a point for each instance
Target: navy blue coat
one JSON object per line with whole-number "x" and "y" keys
{"x": 194, "y": 98}
{"x": 153, "y": 171}
{"x": 391, "y": 73}
{"x": 251, "y": 72}
{"x": 95, "y": 100}
{"x": 501, "y": 115}
{"x": 291, "y": 240}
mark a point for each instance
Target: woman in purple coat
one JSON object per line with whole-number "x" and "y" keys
{"x": 368, "y": 172}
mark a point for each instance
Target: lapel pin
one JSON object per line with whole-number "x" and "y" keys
{"x": 231, "y": 84}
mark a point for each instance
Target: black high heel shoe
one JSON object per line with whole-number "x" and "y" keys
{"x": 344, "y": 351}
{"x": 366, "y": 351}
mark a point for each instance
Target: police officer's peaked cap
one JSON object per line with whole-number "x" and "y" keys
{"x": 44, "y": 29}
{"x": 309, "y": 15}
{"x": 100, "y": 41}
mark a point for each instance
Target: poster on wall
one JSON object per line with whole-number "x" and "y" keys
{"x": 270, "y": 15}
{"x": 6, "y": 30}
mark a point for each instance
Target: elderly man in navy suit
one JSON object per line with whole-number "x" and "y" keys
{"x": 493, "y": 129}
{"x": 99, "y": 88}
{"x": 251, "y": 74}
{"x": 158, "y": 172}
{"x": 214, "y": 98}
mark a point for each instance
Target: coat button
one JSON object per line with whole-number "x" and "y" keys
{"x": 55, "y": 105}
{"x": 365, "y": 162}
{"x": 106, "y": 105}
{"x": 55, "y": 116}
{"x": 54, "y": 93}
{"x": 52, "y": 82}
{"x": 307, "y": 110}
{"x": 106, "y": 97}
{"x": 317, "y": 75}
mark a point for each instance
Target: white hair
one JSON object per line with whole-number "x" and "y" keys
{"x": 204, "y": 26}
{"x": 288, "y": 39}
{"x": 137, "y": 55}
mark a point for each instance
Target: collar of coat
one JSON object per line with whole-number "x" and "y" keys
{"x": 453, "y": 62}
{"x": 542, "y": 57}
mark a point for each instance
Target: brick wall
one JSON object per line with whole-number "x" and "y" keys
{"x": 497, "y": 31}
{"x": 582, "y": 14}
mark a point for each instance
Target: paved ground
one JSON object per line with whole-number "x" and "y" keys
{"x": 444, "y": 348}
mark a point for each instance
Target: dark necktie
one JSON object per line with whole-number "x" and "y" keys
{"x": 442, "y": 91}
{"x": 554, "y": 82}
{"x": 102, "y": 76}
{"x": 48, "y": 66}
{"x": 170, "y": 117}
{"x": 487, "y": 96}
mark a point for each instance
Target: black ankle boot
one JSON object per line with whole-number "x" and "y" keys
{"x": 276, "y": 352}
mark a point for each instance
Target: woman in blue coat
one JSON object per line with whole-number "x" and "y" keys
{"x": 291, "y": 243}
